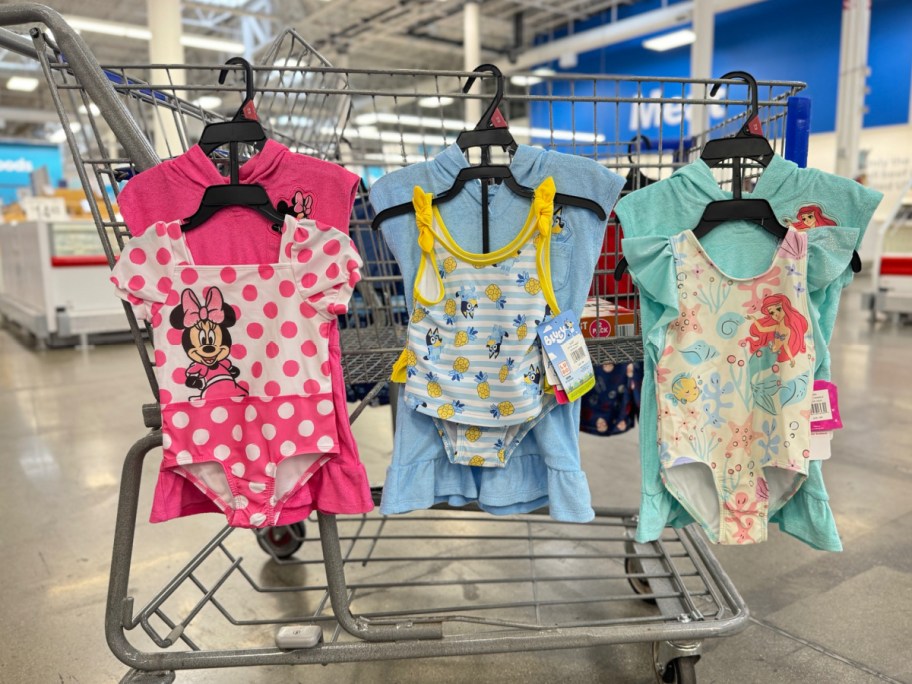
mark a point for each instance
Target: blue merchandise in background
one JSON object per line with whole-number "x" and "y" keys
{"x": 17, "y": 162}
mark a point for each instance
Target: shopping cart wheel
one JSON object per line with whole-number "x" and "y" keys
{"x": 679, "y": 671}
{"x": 632, "y": 566}
{"x": 283, "y": 541}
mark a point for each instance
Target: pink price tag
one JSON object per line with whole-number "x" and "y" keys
{"x": 825, "y": 407}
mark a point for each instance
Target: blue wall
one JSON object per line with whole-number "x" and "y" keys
{"x": 786, "y": 40}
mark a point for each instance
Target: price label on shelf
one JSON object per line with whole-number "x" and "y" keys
{"x": 44, "y": 208}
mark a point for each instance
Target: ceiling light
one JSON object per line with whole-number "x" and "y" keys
{"x": 434, "y": 101}
{"x": 208, "y": 102}
{"x": 24, "y": 83}
{"x": 136, "y": 32}
{"x": 93, "y": 108}
{"x": 670, "y": 41}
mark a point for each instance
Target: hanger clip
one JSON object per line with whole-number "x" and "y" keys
{"x": 498, "y": 120}
{"x": 754, "y": 127}
{"x": 249, "y": 111}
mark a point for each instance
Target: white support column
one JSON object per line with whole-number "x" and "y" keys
{"x": 852, "y": 86}
{"x": 164, "y": 21}
{"x": 471, "y": 46}
{"x": 701, "y": 61}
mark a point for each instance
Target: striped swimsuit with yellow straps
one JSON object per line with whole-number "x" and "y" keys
{"x": 472, "y": 360}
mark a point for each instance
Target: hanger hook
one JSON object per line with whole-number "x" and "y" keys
{"x": 485, "y": 121}
{"x": 633, "y": 141}
{"x": 751, "y": 82}
{"x": 248, "y": 77}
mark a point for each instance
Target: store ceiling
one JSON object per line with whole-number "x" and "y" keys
{"x": 361, "y": 33}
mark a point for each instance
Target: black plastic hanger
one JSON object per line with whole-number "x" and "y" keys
{"x": 756, "y": 211}
{"x": 636, "y": 179}
{"x": 745, "y": 144}
{"x": 486, "y": 135}
{"x": 235, "y": 193}
{"x": 242, "y": 128}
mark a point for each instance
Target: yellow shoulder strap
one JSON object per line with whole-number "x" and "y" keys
{"x": 424, "y": 218}
{"x": 543, "y": 206}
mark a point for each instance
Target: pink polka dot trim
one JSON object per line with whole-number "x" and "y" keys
{"x": 238, "y": 351}
{"x": 311, "y": 386}
{"x": 289, "y": 329}
{"x": 137, "y": 282}
{"x": 291, "y": 368}
{"x": 272, "y": 388}
{"x": 174, "y": 336}
{"x": 256, "y": 370}
{"x": 332, "y": 247}
{"x": 270, "y": 310}
{"x": 229, "y": 275}
{"x": 159, "y": 358}
{"x": 164, "y": 285}
{"x": 308, "y": 280}
{"x": 286, "y": 288}
{"x": 137, "y": 256}
{"x": 309, "y": 348}
{"x": 249, "y": 292}
{"x": 174, "y": 231}
{"x": 307, "y": 311}
{"x": 304, "y": 255}
{"x": 163, "y": 256}
{"x": 255, "y": 330}
{"x": 173, "y": 298}
{"x": 189, "y": 276}
{"x": 332, "y": 271}
{"x": 272, "y": 350}
{"x": 266, "y": 271}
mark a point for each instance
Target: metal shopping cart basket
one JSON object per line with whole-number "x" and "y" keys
{"x": 466, "y": 583}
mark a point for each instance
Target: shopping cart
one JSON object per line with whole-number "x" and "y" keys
{"x": 466, "y": 583}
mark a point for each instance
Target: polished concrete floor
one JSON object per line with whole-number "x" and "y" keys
{"x": 67, "y": 417}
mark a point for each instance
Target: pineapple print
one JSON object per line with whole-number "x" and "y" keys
{"x": 531, "y": 285}
{"x": 506, "y": 369}
{"x": 476, "y": 461}
{"x": 411, "y": 360}
{"x": 433, "y": 387}
{"x": 522, "y": 329}
{"x": 449, "y": 310}
{"x": 504, "y": 408}
{"x": 483, "y": 388}
{"x": 495, "y": 295}
{"x": 449, "y": 264}
{"x": 473, "y": 433}
{"x": 447, "y": 411}
{"x": 419, "y": 314}
{"x": 460, "y": 366}
{"x": 463, "y": 337}
{"x": 500, "y": 449}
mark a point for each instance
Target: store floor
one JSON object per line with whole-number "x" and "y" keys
{"x": 67, "y": 418}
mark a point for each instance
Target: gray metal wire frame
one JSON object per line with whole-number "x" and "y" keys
{"x": 694, "y": 597}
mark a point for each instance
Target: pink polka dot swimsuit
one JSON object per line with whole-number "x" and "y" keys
{"x": 245, "y": 365}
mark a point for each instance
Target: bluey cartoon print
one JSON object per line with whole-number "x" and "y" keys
{"x": 495, "y": 340}
{"x": 434, "y": 342}
{"x": 469, "y": 302}
{"x": 532, "y": 380}
{"x": 207, "y": 342}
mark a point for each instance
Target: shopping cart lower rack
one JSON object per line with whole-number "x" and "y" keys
{"x": 442, "y": 582}
{"x": 473, "y": 584}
